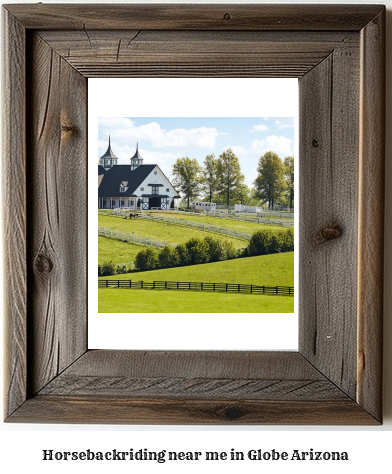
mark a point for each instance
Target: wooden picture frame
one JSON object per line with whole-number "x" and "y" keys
{"x": 337, "y": 52}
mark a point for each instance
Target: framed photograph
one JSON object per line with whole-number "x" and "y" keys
{"x": 337, "y": 53}
{"x": 194, "y": 257}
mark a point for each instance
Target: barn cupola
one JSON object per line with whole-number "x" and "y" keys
{"x": 109, "y": 159}
{"x": 136, "y": 160}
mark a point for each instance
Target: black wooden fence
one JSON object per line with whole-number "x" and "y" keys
{"x": 199, "y": 286}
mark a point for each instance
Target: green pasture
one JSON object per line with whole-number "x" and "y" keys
{"x": 116, "y": 251}
{"x": 241, "y": 226}
{"x": 160, "y": 231}
{"x": 269, "y": 270}
{"x": 226, "y": 221}
{"x": 113, "y": 300}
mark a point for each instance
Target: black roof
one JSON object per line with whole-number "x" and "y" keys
{"x": 137, "y": 154}
{"x": 110, "y": 185}
{"x": 109, "y": 153}
{"x": 101, "y": 170}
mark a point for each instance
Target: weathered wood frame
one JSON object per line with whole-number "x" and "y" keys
{"x": 337, "y": 52}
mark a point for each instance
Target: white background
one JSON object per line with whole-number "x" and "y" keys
{"x": 155, "y": 98}
{"x": 369, "y": 447}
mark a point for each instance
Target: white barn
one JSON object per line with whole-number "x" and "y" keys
{"x": 133, "y": 186}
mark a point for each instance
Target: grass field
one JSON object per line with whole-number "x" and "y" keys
{"x": 269, "y": 270}
{"x": 113, "y": 300}
{"x": 241, "y": 226}
{"x": 160, "y": 231}
{"x": 117, "y": 251}
{"x": 226, "y": 222}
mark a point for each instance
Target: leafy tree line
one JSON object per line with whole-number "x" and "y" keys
{"x": 193, "y": 252}
{"x": 220, "y": 180}
{"x": 197, "y": 251}
{"x": 210, "y": 249}
{"x": 275, "y": 180}
{"x": 110, "y": 268}
{"x": 265, "y": 242}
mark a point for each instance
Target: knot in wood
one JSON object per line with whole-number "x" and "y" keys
{"x": 328, "y": 233}
{"x": 69, "y": 128}
{"x": 315, "y": 143}
{"x": 227, "y": 16}
{"x": 43, "y": 264}
{"x": 232, "y": 412}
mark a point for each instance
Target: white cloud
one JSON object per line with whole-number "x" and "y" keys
{"x": 259, "y": 128}
{"x": 238, "y": 150}
{"x": 167, "y": 169}
{"x": 285, "y": 123}
{"x": 125, "y": 132}
{"x": 129, "y": 134}
{"x": 114, "y": 123}
{"x": 250, "y": 177}
{"x": 149, "y": 132}
{"x": 279, "y": 145}
{"x": 123, "y": 153}
{"x": 202, "y": 137}
{"x": 158, "y": 158}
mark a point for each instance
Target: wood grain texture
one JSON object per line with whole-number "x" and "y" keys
{"x": 371, "y": 216}
{"x": 207, "y": 364}
{"x": 329, "y": 98}
{"x": 195, "y": 17}
{"x": 187, "y": 374}
{"x": 336, "y": 376}
{"x": 56, "y": 215}
{"x": 122, "y": 410}
{"x": 190, "y": 387}
{"x": 165, "y": 53}
{"x": 14, "y": 198}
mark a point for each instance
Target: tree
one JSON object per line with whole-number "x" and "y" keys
{"x": 197, "y": 250}
{"x": 287, "y": 240}
{"x": 210, "y": 176}
{"x": 183, "y": 256}
{"x": 244, "y": 195}
{"x": 107, "y": 268}
{"x": 270, "y": 182}
{"x": 289, "y": 177}
{"x": 187, "y": 177}
{"x": 229, "y": 174}
{"x": 260, "y": 242}
{"x": 146, "y": 259}
{"x": 218, "y": 249}
{"x": 265, "y": 242}
{"x": 167, "y": 257}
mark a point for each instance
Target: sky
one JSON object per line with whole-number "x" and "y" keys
{"x": 162, "y": 140}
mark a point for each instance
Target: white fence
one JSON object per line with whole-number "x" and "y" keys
{"x": 129, "y": 237}
{"x": 243, "y": 208}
